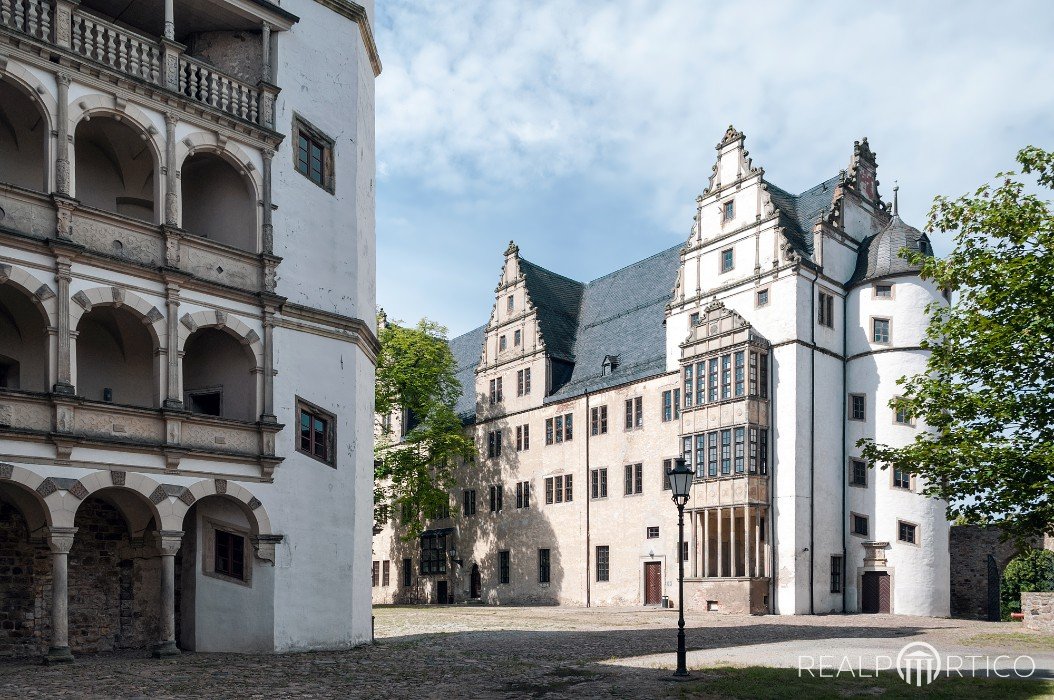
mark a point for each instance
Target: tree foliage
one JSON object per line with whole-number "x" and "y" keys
{"x": 416, "y": 378}
{"x": 988, "y": 389}
{"x": 1032, "y": 571}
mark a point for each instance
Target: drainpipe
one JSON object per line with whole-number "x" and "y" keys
{"x": 812, "y": 446}
{"x": 845, "y": 425}
{"x": 585, "y": 482}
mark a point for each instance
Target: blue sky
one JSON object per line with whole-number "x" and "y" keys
{"x": 585, "y": 130}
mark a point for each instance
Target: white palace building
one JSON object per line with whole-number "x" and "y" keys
{"x": 760, "y": 350}
{"x": 187, "y": 333}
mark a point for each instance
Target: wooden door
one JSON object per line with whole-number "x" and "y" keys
{"x": 876, "y": 592}
{"x": 441, "y": 593}
{"x": 652, "y": 583}
{"x": 477, "y": 581}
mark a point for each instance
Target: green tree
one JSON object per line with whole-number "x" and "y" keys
{"x": 1032, "y": 571}
{"x": 988, "y": 389}
{"x": 414, "y": 471}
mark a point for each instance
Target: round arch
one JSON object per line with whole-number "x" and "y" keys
{"x": 38, "y": 292}
{"x": 189, "y": 323}
{"x": 206, "y": 142}
{"x": 87, "y": 299}
{"x": 219, "y": 191}
{"x": 148, "y": 493}
{"x": 249, "y": 504}
{"x": 27, "y": 491}
{"x": 34, "y": 90}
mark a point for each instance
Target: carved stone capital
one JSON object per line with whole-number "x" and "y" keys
{"x": 169, "y": 542}
{"x": 60, "y": 539}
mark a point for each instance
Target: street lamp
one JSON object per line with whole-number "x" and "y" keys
{"x": 680, "y": 478}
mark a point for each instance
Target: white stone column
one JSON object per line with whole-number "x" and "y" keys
{"x": 732, "y": 541}
{"x": 748, "y": 570}
{"x": 63, "y": 277}
{"x": 265, "y": 49}
{"x": 62, "y": 141}
{"x": 720, "y": 543}
{"x": 170, "y": 22}
{"x": 758, "y": 566}
{"x": 60, "y": 541}
{"x": 706, "y": 543}
{"x": 171, "y": 216}
{"x": 168, "y": 542}
{"x": 693, "y": 519}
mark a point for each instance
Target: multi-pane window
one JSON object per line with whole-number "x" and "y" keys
{"x": 523, "y": 494}
{"x": 763, "y": 451}
{"x": 902, "y": 479}
{"x": 558, "y": 429}
{"x": 753, "y": 432}
{"x": 229, "y": 558}
{"x": 740, "y": 385}
{"x": 727, "y": 259}
{"x": 408, "y": 572}
{"x": 860, "y": 525}
{"x": 433, "y": 554}
{"x": 907, "y": 532}
{"x": 671, "y": 405}
{"x": 523, "y": 437}
{"x": 494, "y": 444}
{"x": 763, "y": 375}
{"x": 728, "y": 210}
{"x": 543, "y": 566}
{"x": 726, "y": 376}
{"x": 880, "y": 330}
{"x": 316, "y": 433}
{"x": 503, "y": 564}
{"x": 653, "y": 532}
{"x": 711, "y": 454}
{"x": 634, "y": 479}
{"x": 761, "y": 298}
{"x": 857, "y": 407}
{"x": 693, "y": 320}
{"x": 437, "y": 511}
{"x": 495, "y": 391}
{"x": 634, "y": 413}
{"x": 468, "y": 502}
{"x": 386, "y": 573}
{"x": 688, "y": 384}
{"x": 883, "y": 291}
{"x": 603, "y": 562}
{"x": 857, "y": 472}
{"x": 523, "y": 381}
{"x": 836, "y": 574}
{"x": 558, "y": 489}
{"x": 726, "y": 452}
{"x": 510, "y": 303}
{"x": 901, "y": 414}
{"x": 686, "y": 452}
{"x": 667, "y": 465}
{"x": 598, "y": 420}
{"x": 825, "y": 310}
{"x": 496, "y": 496}
{"x": 313, "y": 154}
{"x": 739, "y": 450}
{"x": 503, "y": 343}
{"x": 376, "y": 574}
{"x": 598, "y": 483}
{"x": 517, "y": 336}
{"x": 712, "y": 379}
{"x": 684, "y": 551}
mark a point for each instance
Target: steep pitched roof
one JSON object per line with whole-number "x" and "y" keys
{"x": 879, "y": 254}
{"x": 622, "y": 314}
{"x": 799, "y": 213}
{"x": 558, "y": 300}
{"x": 467, "y": 349}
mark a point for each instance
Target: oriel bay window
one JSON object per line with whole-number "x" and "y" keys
{"x": 726, "y": 452}
{"x": 732, "y": 375}
{"x": 433, "y": 554}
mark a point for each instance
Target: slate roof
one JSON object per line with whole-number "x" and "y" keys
{"x": 467, "y": 349}
{"x": 558, "y": 300}
{"x": 798, "y": 213}
{"x": 880, "y": 254}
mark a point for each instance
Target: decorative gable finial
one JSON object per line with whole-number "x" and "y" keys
{"x": 731, "y": 134}
{"x": 513, "y": 249}
{"x": 896, "y": 189}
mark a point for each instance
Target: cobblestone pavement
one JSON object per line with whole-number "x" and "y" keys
{"x": 477, "y": 652}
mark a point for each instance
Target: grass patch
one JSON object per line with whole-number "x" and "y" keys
{"x": 775, "y": 683}
{"x": 1019, "y": 641}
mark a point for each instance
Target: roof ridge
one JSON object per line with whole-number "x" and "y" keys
{"x": 556, "y": 274}
{"x": 664, "y": 251}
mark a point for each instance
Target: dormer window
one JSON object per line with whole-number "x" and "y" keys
{"x": 728, "y": 210}
{"x": 610, "y": 363}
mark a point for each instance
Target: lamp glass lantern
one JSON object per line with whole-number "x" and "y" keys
{"x": 680, "y": 478}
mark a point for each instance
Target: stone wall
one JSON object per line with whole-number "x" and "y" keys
{"x": 1038, "y": 609}
{"x": 25, "y": 588}
{"x": 970, "y": 547}
{"x": 237, "y": 53}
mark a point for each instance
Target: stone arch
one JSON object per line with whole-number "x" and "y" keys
{"x": 86, "y": 107}
{"x": 40, "y": 293}
{"x": 207, "y": 142}
{"x": 32, "y": 487}
{"x": 40, "y": 95}
{"x": 150, "y": 315}
{"x": 160, "y": 501}
{"x": 211, "y": 318}
{"x": 250, "y": 505}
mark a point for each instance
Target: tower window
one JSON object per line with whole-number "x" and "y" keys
{"x": 313, "y": 154}
{"x": 727, "y": 259}
{"x": 728, "y": 210}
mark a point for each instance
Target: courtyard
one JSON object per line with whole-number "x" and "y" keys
{"x": 551, "y": 652}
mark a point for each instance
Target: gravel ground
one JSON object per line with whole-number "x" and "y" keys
{"x": 491, "y": 652}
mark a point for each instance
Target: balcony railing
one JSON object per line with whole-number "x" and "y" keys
{"x": 148, "y": 59}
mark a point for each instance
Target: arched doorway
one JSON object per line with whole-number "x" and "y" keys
{"x": 25, "y": 576}
{"x": 23, "y": 139}
{"x": 114, "y": 574}
{"x": 224, "y": 592}
{"x": 477, "y": 583}
{"x": 115, "y": 168}
{"x": 23, "y": 342}
{"x": 218, "y": 201}
{"x": 218, "y": 377}
{"x": 115, "y": 358}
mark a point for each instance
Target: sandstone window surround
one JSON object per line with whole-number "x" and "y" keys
{"x": 523, "y": 381}
{"x": 433, "y": 554}
{"x": 901, "y": 479}
{"x": 860, "y": 527}
{"x": 504, "y": 565}
{"x": 635, "y": 413}
{"x": 317, "y": 432}
{"x": 386, "y": 575}
{"x": 558, "y": 489}
{"x": 468, "y": 502}
{"x": 671, "y": 405}
{"x": 544, "y": 566}
{"x": 603, "y": 563}
{"x": 727, "y": 261}
{"x": 223, "y": 552}
{"x": 761, "y": 297}
{"x": 493, "y": 444}
{"x": 634, "y": 479}
{"x": 598, "y": 420}
{"x": 901, "y": 412}
{"x": 599, "y": 483}
{"x": 881, "y": 330}
{"x": 376, "y": 573}
{"x": 523, "y": 437}
{"x": 652, "y": 532}
{"x": 836, "y": 574}
{"x": 559, "y": 429}
{"x": 496, "y": 498}
{"x": 825, "y": 308}
{"x": 857, "y": 472}
{"x": 907, "y": 532}
{"x": 857, "y": 407}
{"x": 313, "y": 154}
{"x": 882, "y": 290}
{"x": 496, "y": 394}
{"x": 408, "y": 575}
{"x": 523, "y": 494}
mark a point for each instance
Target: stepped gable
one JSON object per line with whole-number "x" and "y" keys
{"x": 557, "y": 300}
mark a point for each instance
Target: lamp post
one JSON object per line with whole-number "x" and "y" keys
{"x": 680, "y": 478}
